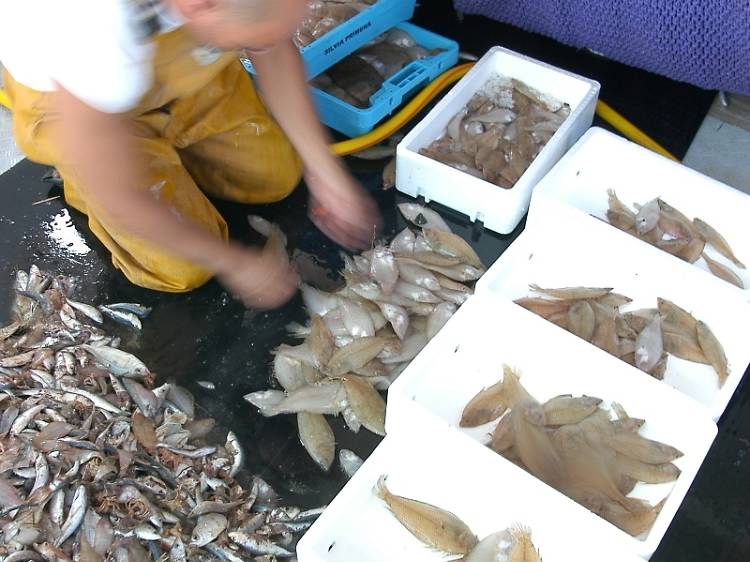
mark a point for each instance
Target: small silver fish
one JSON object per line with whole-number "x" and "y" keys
{"x": 122, "y": 317}
{"x": 134, "y": 308}
{"x": 234, "y": 448}
{"x": 75, "y": 515}
{"x": 259, "y": 546}
{"x": 208, "y": 528}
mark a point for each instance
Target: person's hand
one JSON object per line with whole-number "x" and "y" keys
{"x": 342, "y": 209}
{"x": 258, "y": 279}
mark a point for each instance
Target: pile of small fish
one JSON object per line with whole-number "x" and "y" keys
{"x": 446, "y": 533}
{"x": 663, "y": 226}
{"x": 500, "y": 131}
{"x": 355, "y": 79}
{"x": 361, "y": 337}
{"x": 643, "y": 338}
{"x": 325, "y": 15}
{"x": 96, "y": 464}
{"x": 572, "y": 444}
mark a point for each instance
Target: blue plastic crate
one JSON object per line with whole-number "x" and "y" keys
{"x": 342, "y": 41}
{"x": 354, "y": 121}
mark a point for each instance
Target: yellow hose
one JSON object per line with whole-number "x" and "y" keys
{"x": 448, "y": 78}
{"x": 379, "y": 134}
{"x": 630, "y": 131}
{"x": 4, "y": 99}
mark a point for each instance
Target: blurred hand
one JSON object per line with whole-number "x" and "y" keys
{"x": 259, "y": 280}
{"x": 342, "y": 209}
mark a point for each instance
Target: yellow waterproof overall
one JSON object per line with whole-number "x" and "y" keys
{"x": 200, "y": 125}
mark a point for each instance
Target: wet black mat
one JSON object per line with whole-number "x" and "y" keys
{"x": 205, "y": 335}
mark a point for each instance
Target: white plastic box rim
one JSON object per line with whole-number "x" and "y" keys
{"x": 499, "y": 209}
{"x": 431, "y": 392}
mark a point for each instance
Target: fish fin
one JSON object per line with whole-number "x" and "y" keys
{"x": 381, "y": 490}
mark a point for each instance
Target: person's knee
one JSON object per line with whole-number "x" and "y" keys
{"x": 288, "y": 178}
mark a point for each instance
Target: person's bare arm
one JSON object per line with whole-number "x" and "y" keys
{"x": 100, "y": 147}
{"x": 346, "y": 213}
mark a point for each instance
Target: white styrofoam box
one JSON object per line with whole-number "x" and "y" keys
{"x": 467, "y": 356}
{"x": 499, "y": 209}
{"x": 566, "y": 248}
{"x": 451, "y": 473}
{"x": 602, "y": 160}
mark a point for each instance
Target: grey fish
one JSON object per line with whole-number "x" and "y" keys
{"x": 134, "y": 308}
{"x": 144, "y": 398}
{"x": 208, "y": 528}
{"x": 122, "y": 317}
{"x": 259, "y": 546}
{"x": 118, "y": 362}
{"x": 75, "y": 515}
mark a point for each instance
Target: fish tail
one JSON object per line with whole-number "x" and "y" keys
{"x": 381, "y": 490}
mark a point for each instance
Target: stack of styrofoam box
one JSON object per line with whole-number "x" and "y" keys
{"x": 498, "y": 209}
{"x": 429, "y": 457}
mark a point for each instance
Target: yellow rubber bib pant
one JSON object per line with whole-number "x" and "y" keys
{"x": 200, "y": 125}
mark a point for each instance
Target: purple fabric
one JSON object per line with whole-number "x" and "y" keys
{"x": 704, "y": 42}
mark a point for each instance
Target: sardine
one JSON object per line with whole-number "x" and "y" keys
{"x": 435, "y": 527}
{"x": 138, "y": 309}
{"x": 122, "y": 317}
{"x": 87, "y": 310}
{"x": 259, "y": 546}
{"x": 234, "y": 448}
{"x": 75, "y": 515}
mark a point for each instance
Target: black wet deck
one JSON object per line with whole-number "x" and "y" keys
{"x": 207, "y": 336}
